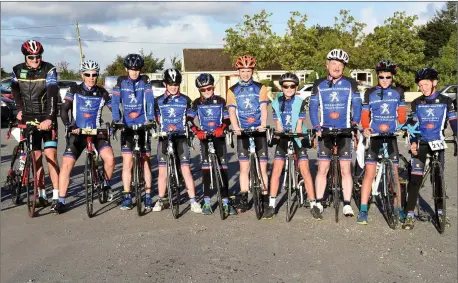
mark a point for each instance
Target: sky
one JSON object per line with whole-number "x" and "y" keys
{"x": 164, "y": 28}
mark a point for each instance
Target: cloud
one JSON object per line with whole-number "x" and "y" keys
{"x": 368, "y": 17}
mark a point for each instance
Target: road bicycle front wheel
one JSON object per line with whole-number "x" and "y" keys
{"x": 439, "y": 197}
{"x": 30, "y": 181}
{"x": 290, "y": 207}
{"x": 136, "y": 183}
{"x": 218, "y": 183}
{"x": 13, "y": 180}
{"x": 89, "y": 184}
{"x": 336, "y": 187}
{"x": 255, "y": 188}
{"x": 389, "y": 193}
{"x": 172, "y": 187}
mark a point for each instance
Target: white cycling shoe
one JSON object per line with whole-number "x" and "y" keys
{"x": 348, "y": 211}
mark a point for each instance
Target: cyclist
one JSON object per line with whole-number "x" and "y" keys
{"x": 171, "y": 110}
{"x": 35, "y": 91}
{"x": 213, "y": 116}
{"x": 289, "y": 115}
{"x": 337, "y": 95}
{"x": 247, "y": 104}
{"x": 135, "y": 93}
{"x": 383, "y": 105}
{"x": 86, "y": 102}
{"x": 431, "y": 110}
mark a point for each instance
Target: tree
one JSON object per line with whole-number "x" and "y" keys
{"x": 176, "y": 62}
{"x": 446, "y": 62}
{"x": 65, "y": 73}
{"x": 253, "y": 37}
{"x": 436, "y": 33}
{"x": 152, "y": 65}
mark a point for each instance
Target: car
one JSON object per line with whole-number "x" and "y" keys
{"x": 9, "y": 110}
{"x": 5, "y": 84}
{"x": 109, "y": 82}
{"x": 158, "y": 87}
{"x": 450, "y": 91}
{"x": 305, "y": 92}
{"x": 64, "y": 85}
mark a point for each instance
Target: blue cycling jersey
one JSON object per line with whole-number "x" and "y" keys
{"x": 433, "y": 112}
{"x": 172, "y": 110}
{"x": 337, "y": 101}
{"x": 86, "y": 105}
{"x": 137, "y": 100}
{"x": 383, "y": 105}
{"x": 285, "y": 108}
{"x": 211, "y": 112}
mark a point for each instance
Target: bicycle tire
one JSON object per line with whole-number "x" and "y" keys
{"x": 439, "y": 197}
{"x": 31, "y": 184}
{"x": 290, "y": 188}
{"x": 172, "y": 186}
{"x": 136, "y": 183}
{"x": 255, "y": 188}
{"x": 218, "y": 182}
{"x": 389, "y": 193}
{"x": 89, "y": 184}
{"x": 336, "y": 188}
{"x": 13, "y": 180}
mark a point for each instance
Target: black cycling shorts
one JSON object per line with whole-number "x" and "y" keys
{"x": 243, "y": 148}
{"x": 282, "y": 149}
{"x": 220, "y": 151}
{"x": 127, "y": 142}
{"x": 325, "y": 146}
{"x": 77, "y": 143}
{"x": 373, "y": 153}
{"x": 181, "y": 150}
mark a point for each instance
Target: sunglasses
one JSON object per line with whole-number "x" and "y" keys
{"x": 382, "y": 77}
{"x": 288, "y": 86}
{"x": 91, "y": 75}
{"x": 204, "y": 89}
{"x": 33, "y": 57}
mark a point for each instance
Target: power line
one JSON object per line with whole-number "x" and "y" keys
{"x": 118, "y": 41}
{"x": 50, "y": 26}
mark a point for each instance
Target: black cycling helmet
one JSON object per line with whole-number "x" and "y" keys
{"x": 289, "y": 77}
{"x": 172, "y": 76}
{"x": 134, "y": 61}
{"x": 386, "y": 66}
{"x": 426, "y": 74}
{"x": 204, "y": 80}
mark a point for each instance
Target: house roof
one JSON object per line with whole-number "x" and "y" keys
{"x": 211, "y": 60}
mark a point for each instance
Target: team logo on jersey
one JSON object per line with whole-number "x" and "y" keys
{"x": 339, "y": 83}
{"x": 334, "y": 97}
{"x": 171, "y": 112}
{"x": 88, "y": 103}
{"x": 250, "y": 120}
{"x": 288, "y": 120}
{"x": 389, "y": 93}
{"x": 209, "y": 112}
{"x": 133, "y": 115}
{"x": 430, "y": 126}
{"x": 384, "y": 107}
{"x": 132, "y": 97}
{"x": 383, "y": 127}
{"x": 211, "y": 124}
{"x": 171, "y": 127}
{"x": 86, "y": 115}
{"x": 334, "y": 115}
{"x": 430, "y": 112}
{"x": 247, "y": 103}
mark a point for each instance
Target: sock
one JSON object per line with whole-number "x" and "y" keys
{"x": 43, "y": 193}
{"x": 225, "y": 200}
{"x": 312, "y": 203}
{"x": 347, "y": 202}
{"x": 411, "y": 214}
{"x": 363, "y": 207}
{"x": 193, "y": 200}
{"x": 55, "y": 194}
{"x": 272, "y": 201}
{"x": 206, "y": 200}
{"x": 62, "y": 200}
{"x": 159, "y": 198}
{"x": 148, "y": 195}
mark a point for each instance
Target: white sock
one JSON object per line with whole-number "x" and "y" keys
{"x": 55, "y": 194}
{"x": 312, "y": 203}
{"x": 43, "y": 193}
{"x": 272, "y": 201}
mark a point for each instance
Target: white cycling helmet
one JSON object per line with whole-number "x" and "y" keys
{"x": 339, "y": 55}
{"x": 89, "y": 65}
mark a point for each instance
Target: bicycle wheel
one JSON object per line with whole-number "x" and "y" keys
{"x": 89, "y": 184}
{"x": 336, "y": 188}
{"x": 217, "y": 181}
{"x": 13, "y": 180}
{"x": 439, "y": 197}
{"x": 30, "y": 182}
{"x": 290, "y": 188}
{"x": 255, "y": 188}
{"x": 136, "y": 183}
{"x": 388, "y": 193}
{"x": 172, "y": 186}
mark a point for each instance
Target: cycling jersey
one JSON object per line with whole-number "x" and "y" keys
{"x": 212, "y": 112}
{"x": 35, "y": 91}
{"x": 247, "y": 98}
{"x": 137, "y": 100}
{"x": 433, "y": 112}
{"x": 171, "y": 111}
{"x": 336, "y": 100}
{"x": 86, "y": 105}
{"x": 385, "y": 107}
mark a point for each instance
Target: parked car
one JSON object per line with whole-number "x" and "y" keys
{"x": 5, "y": 84}
{"x": 305, "y": 92}
{"x": 450, "y": 91}
{"x": 158, "y": 87}
{"x": 7, "y": 94}
{"x": 109, "y": 82}
{"x": 9, "y": 110}
{"x": 64, "y": 85}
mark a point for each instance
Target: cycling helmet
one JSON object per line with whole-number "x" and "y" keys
{"x": 32, "y": 47}
{"x": 172, "y": 76}
{"x": 426, "y": 74}
{"x": 245, "y": 62}
{"x": 386, "y": 66}
{"x": 289, "y": 77}
{"x": 339, "y": 55}
{"x": 89, "y": 65}
{"x": 134, "y": 61}
{"x": 204, "y": 80}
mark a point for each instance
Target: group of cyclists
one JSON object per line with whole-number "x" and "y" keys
{"x": 380, "y": 110}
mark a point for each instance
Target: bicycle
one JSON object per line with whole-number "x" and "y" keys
{"x": 175, "y": 183}
{"x": 334, "y": 178}
{"x": 17, "y": 165}
{"x": 256, "y": 181}
{"x": 386, "y": 194}
{"x": 94, "y": 174}
{"x": 290, "y": 176}
{"x": 138, "y": 180}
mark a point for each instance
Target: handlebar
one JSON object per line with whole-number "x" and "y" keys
{"x": 173, "y": 133}
{"x": 337, "y": 132}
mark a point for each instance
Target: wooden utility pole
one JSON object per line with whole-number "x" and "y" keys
{"x": 79, "y": 43}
